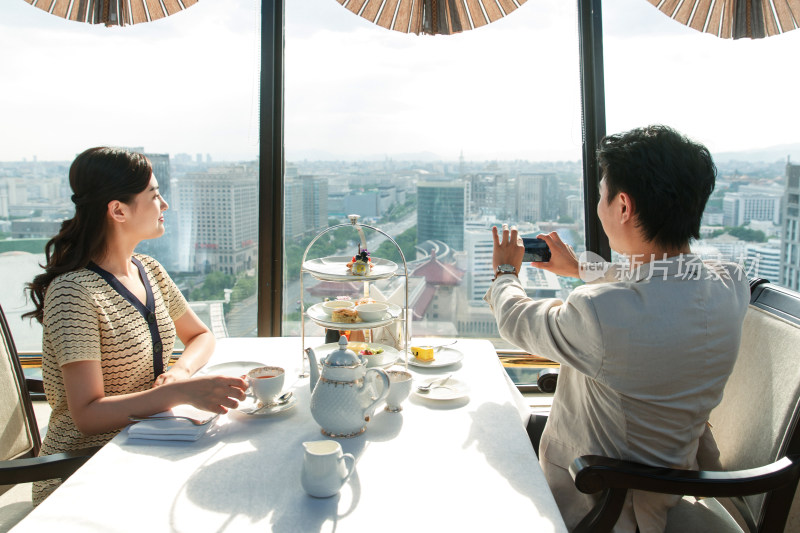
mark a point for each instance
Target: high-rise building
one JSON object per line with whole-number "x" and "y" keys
{"x": 751, "y": 203}
{"x": 293, "y": 209}
{"x": 305, "y": 205}
{"x": 492, "y": 194}
{"x": 219, "y": 218}
{"x": 763, "y": 261}
{"x": 537, "y": 197}
{"x": 162, "y": 172}
{"x": 790, "y": 236}
{"x": 162, "y": 248}
{"x": 479, "y": 246}
{"x": 315, "y": 202}
{"x": 441, "y": 210}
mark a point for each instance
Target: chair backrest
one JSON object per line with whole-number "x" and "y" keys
{"x": 19, "y": 434}
{"x": 757, "y": 421}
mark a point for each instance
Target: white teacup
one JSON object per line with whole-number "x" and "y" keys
{"x": 266, "y": 382}
{"x": 399, "y": 389}
{"x": 372, "y": 312}
{"x": 330, "y": 306}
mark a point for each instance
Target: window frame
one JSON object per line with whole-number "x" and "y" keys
{"x": 271, "y": 150}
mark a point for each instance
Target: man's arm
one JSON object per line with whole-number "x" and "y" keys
{"x": 567, "y": 332}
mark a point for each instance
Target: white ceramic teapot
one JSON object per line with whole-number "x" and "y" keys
{"x": 346, "y": 394}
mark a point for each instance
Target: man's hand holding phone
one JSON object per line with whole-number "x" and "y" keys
{"x": 536, "y": 250}
{"x": 562, "y": 260}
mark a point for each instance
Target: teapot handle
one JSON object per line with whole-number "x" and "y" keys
{"x": 376, "y": 375}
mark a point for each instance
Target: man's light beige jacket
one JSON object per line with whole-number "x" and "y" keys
{"x": 644, "y": 361}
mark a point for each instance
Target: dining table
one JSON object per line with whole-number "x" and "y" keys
{"x": 461, "y": 463}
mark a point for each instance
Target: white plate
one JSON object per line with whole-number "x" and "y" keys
{"x": 386, "y": 359}
{"x": 452, "y": 389}
{"x": 317, "y": 314}
{"x": 234, "y": 369}
{"x": 250, "y": 407}
{"x": 335, "y": 269}
{"x": 444, "y": 357}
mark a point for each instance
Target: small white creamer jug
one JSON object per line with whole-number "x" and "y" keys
{"x": 324, "y": 468}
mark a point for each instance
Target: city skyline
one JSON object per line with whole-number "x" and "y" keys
{"x": 505, "y": 91}
{"x": 449, "y": 269}
{"x": 770, "y": 154}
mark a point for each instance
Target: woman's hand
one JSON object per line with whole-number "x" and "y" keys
{"x": 563, "y": 260}
{"x": 95, "y": 413}
{"x": 508, "y": 249}
{"x": 216, "y": 394}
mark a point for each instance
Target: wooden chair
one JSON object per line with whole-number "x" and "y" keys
{"x": 19, "y": 433}
{"x": 756, "y": 428}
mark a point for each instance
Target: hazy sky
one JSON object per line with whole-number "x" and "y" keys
{"x": 189, "y": 83}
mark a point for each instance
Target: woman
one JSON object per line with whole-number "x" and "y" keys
{"x": 110, "y": 316}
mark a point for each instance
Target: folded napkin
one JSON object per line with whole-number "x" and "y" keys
{"x": 172, "y": 429}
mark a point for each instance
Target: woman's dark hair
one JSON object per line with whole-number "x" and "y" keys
{"x": 668, "y": 176}
{"x": 97, "y": 176}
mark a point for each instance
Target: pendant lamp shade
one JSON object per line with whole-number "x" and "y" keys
{"x": 734, "y": 19}
{"x": 431, "y": 17}
{"x": 112, "y": 12}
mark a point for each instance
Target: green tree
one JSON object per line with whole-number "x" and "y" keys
{"x": 749, "y": 235}
{"x": 406, "y": 241}
{"x": 213, "y": 287}
{"x": 742, "y": 233}
{"x": 244, "y": 287}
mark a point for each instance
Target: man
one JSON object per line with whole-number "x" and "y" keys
{"x": 645, "y": 349}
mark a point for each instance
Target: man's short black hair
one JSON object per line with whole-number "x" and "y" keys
{"x": 668, "y": 176}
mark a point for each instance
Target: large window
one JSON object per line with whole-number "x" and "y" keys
{"x": 432, "y": 139}
{"x": 184, "y": 90}
{"x": 734, "y": 96}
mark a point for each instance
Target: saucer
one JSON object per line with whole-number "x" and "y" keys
{"x": 453, "y": 389}
{"x": 234, "y": 369}
{"x": 250, "y": 406}
{"x": 443, "y": 357}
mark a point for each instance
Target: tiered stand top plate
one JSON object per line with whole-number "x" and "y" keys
{"x": 334, "y": 268}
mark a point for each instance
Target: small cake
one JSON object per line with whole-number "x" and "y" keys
{"x": 365, "y": 300}
{"x": 345, "y": 315}
{"x": 422, "y": 354}
{"x": 360, "y": 264}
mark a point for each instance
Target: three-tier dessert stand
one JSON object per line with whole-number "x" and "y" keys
{"x": 334, "y": 268}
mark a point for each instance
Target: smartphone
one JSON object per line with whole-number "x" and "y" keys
{"x": 535, "y": 250}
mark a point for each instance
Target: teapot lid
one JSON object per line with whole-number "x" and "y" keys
{"x": 342, "y": 356}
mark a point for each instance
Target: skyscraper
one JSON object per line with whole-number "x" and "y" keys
{"x": 305, "y": 205}
{"x": 441, "y": 209}
{"x": 790, "y": 236}
{"x": 293, "y": 226}
{"x": 219, "y": 218}
{"x": 315, "y": 202}
{"x": 537, "y": 197}
{"x": 751, "y": 203}
{"x": 161, "y": 248}
{"x": 162, "y": 172}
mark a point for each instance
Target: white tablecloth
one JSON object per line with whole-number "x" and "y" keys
{"x": 460, "y": 465}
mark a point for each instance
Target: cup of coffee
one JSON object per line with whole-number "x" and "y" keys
{"x": 399, "y": 388}
{"x": 266, "y": 383}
